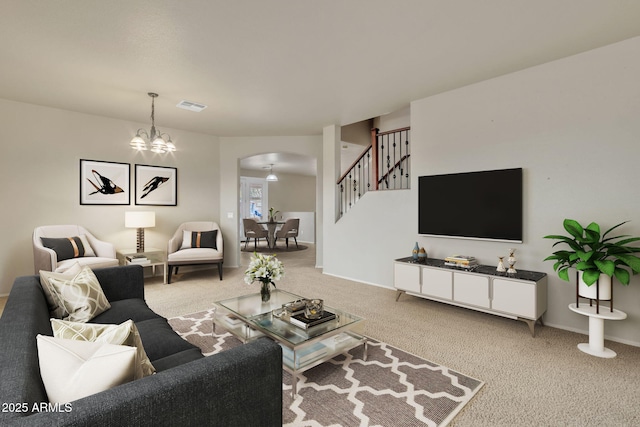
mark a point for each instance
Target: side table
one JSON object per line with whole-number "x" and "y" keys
{"x": 595, "y": 347}
{"x": 154, "y": 257}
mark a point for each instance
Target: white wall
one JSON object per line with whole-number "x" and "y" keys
{"x": 573, "y": 126}
{"x": 395, "y": 120}
{"x": 42, "y": 148}
{"x": 307, "y": 228}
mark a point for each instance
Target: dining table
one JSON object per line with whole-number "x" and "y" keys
{"x": 271, "y": 228}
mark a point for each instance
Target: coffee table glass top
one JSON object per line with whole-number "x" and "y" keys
{"x": 295, "y": 335}
{"x": 302, "y": 348}
{"x": 253, "y": 311}
{"x": 251, "y": 305}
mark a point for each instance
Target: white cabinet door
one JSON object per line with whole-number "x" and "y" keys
{"x": 437, "y": 283}
{"x": 471, "y": 289}
{"x": 406, "y": 277}
{"x": 514, "y": 297}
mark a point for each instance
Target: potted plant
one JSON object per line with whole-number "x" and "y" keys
{"x": 272, "y": 214}
{"x": 596, "y": 256}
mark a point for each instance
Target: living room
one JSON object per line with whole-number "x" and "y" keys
{"x": 570, "y": 123}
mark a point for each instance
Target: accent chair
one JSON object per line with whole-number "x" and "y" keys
{"x": 58, "y": 247}
{"x": 195, "y": 243}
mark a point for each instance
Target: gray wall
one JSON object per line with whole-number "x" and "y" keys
{"x": 291, "y": 192}
{"x": 42, "y": 148}
{"x": 571, "y": 124}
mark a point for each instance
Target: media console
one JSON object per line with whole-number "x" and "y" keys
{"x": 520, "y": 296}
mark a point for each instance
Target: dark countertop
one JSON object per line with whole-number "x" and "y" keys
{"x": 489, "y": 270}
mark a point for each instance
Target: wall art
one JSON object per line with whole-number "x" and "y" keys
{"x": 156, "y": 185}
{"x": 104, "y": 183}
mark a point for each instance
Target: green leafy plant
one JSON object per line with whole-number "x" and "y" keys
{"x": 594, "y": 253}
{"x": 272, "y": 214}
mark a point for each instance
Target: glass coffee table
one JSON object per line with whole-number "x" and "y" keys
{"x": 248, "y": 318}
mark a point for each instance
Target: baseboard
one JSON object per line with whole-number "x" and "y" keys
{"x": 564, "y": 328}
{"x": 358, "y": 281}
{"x": 586, "y": 333}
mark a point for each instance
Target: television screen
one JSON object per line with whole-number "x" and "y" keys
{"x": 477, "y": 205}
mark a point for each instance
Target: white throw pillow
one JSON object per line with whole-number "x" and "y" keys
{"x": 73, "y": 369}
{"x": 55, "y": 310}
{"x": 125, "y": 333}
{"x": 81, "y": 297}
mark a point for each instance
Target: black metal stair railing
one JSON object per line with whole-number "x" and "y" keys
{"x": 384, "y": 165}
{"x": 393, "y": 149}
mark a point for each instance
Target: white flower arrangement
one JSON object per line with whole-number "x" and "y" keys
{"x": 264, "y": 268}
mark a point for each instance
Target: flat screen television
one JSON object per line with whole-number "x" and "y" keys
{"x": 483, "y": 205}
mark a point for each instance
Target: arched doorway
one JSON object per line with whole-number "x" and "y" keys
{"x": 293, "y": 194}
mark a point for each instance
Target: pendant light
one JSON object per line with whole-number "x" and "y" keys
{"x": 271, "y": 176}
{"x": 160, "y": 142}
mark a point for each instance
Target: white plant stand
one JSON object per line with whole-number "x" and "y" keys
{"x": 596, "y": 347}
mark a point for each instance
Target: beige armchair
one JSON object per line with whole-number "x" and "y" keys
{"x": 195, "y": 243}
{"x": 255, "y": 231}
{"x": 58, "y": 247}
{"x": 289, "y": 229}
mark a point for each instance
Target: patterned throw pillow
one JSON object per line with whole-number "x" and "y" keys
{"x": 73, "y": 369}
{"x": 80, "y": 297}
{"x": 69, "y": 247}
{"x": 55, "y": 310}
{"x": 125, "y": 333}
{"x": 199, "y": 239}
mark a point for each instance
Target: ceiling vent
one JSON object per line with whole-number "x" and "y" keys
{"x": 191, "y": 106}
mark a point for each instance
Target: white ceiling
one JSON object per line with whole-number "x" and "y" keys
{"x": 281, "y": 67}
{"x": 282, "y": 163}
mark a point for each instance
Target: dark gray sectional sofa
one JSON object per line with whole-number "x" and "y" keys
{"x": 238, "y": 387}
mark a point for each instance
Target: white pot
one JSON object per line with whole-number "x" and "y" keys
{"x": 604, "y": 283}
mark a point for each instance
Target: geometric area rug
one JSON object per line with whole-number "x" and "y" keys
{"x": 392, "y": 388}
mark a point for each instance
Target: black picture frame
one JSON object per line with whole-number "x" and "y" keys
{"x": 156, "y": 185}
{"x": 104, "y": 183}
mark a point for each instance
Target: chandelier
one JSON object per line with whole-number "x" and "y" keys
{"x": 160, "y": 142}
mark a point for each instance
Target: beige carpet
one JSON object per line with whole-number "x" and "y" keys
{"x": 541, "y": 381}
{"x": 391, "y": 387}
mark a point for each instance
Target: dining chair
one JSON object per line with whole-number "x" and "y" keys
{"x": 288, "y": 230}
{"x": 255, "y": 231}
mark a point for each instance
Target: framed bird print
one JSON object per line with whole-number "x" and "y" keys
{"x": 104, "y": 183}
{"x": 156, "y": 185}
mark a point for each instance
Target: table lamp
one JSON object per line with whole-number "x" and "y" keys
{"x": 140, "y": 220}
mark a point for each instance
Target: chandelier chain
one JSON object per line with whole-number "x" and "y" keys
{"x": 160, "y": 142}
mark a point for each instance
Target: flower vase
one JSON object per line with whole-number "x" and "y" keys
{"x": 415, "y": 251}
{"x": 265, "y": 291}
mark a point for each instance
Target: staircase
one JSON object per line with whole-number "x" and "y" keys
{"x": 383, "y": 165}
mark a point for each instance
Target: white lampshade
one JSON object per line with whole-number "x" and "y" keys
{"x": 271, "y": 176}
{"x": 138, "y": 143}
{"x": 139, "y": 219}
